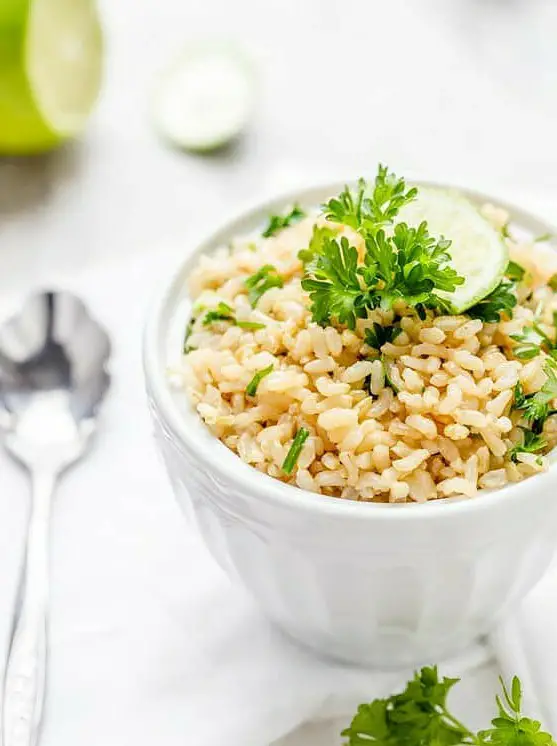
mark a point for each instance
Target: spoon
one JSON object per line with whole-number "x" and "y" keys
{"x": 52, "y": 381}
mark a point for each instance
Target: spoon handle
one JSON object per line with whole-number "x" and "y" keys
{"x": 25, "y": 671}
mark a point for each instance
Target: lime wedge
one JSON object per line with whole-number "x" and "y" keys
{"x": 50, "y": 71}
{"x": 205, "y": 98}
{"x": 478, "y": 251}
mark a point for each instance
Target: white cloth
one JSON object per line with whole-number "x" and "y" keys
{"x": 149, "y": 641}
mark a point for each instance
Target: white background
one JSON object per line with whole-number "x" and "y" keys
{"x": 459, "y": 89}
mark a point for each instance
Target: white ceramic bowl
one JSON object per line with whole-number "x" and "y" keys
{"x": 370, "y": 583}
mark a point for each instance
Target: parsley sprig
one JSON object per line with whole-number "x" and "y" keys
{"x": 404, "y": 263}
{"x": 420, "y": 716}
{"x": 278, "y": 222}
{"x": 370, "y": 206}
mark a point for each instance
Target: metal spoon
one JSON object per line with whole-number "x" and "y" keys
{"x": 52, "y": 380}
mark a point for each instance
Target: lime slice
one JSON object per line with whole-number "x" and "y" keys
{"x": 205, "y": 98}
{"x": 50, "y": 71}
{"x": 478, "y": 251}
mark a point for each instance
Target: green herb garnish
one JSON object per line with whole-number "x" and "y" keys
{"x": 278, "y": 222}
{"x": 388, "y": 365}
{"x": 187, "y": 334}
{"x": 532, "y": 340}
{"x": 223, "y": 312}
{"x": 514, "y": 271}
{"x": 250, "y": 325}
{"x": 379, "y": 335}
{"x": 295, "y": 449}
{"x": 404, "y": 264}
{"x": 531, "y": 443}
{"x": 544, "y": 237}
{"x": 264, "y": 279}
{"x": 536, "y": 406}
{"x": 552, "y": 282}
{"x": 251, "y": 388}
{"x": 500, "y": 301}
{"x": 368, "y": 206}
{"x": 420, "y": 716}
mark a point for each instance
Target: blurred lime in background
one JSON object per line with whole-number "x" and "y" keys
{"x": 51, "y": 55}
{"x": 204, "y": 99}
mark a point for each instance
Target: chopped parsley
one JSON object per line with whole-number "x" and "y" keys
{"x": 251, "y": 388}
{"x": 295, "y": 449}
{"x": 543, "y": 238}
{"x": 531, "y": 443}
{"x": 514, "y": 271}
{"x": 403, "y": 264}
{"x": 379, "y": 335}
{"x": 223, "y": 312}
{"x": 264, "y": 279}
{"x": 536, "y": 406}
{"x": 531, "y": 341}
{"x": 552, "y": 282}
{"x": 278, "y": 222}
{"x": 388, "y": 366}
{"x": 500, "y": 301}
{"x": 186, "y": 347}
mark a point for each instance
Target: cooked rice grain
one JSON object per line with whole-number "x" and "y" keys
{"x": 440, "y": 426}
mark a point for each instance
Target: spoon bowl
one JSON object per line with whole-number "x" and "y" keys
{"x": 52, "y": 378}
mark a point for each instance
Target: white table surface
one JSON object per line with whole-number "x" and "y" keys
{"x": 462, "y": 90}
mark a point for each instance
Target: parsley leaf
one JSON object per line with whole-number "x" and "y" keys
{"x": 378, "y": 335}
{"x": 264, "y": 279}
{"x": 295, "y": 449}
{"x": 514, "y": 271}
{"x": 531, "y": 443}
{"x": 222, "y": 312}
{"x": 511, "y": 728}
{"x": 186, "y": 347}
{"x": 536, "y": 406}
{"x": 250, "y": 325}
{"x": 530, "y": 343}
{"x": 251, "y": 388}
{"x": 411, "y": 265}
{"x": 552, "y": 282}
{"x": 500, "y": 301}
{"x": 370, "y": 206}
{"x": 332, "y": 282}
{"x": 420, "y": 716}
{"x": 278, "y": 222}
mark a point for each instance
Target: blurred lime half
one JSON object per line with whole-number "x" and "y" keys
{"x": 50, "y": 71}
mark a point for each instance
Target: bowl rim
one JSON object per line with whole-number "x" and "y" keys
{"x": 195, "y": 436}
